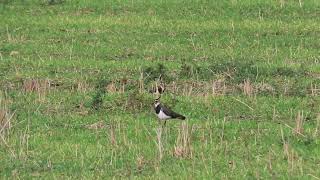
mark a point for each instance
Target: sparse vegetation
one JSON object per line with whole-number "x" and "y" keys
{"x": 77, "y": 77}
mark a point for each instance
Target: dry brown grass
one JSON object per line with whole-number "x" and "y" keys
{"x": 183, "y": 145}
{"x": 316, "y": 131}
{"x": 97, "y": 125}
{"x": 6, "y": 121}
{"x": 36, "y": 85}
{"x": 248, "y": 88}
{"x": 111, "y": 87}
{"x": 140, "y": 162}
{"x": 117, "y": 86}
{"x": 218, "y": 87}
{"x": 264, "y": 88}
{"x": 6, "y": 117}
{"x": 42, "y": 88}
{"x": 299, "y": 123}
{"x": 82, "y": 86}
{"x": 141, "y": 82}
{"x": 159, "y": 143}
{"x": 39, "y": 86}
{"x": 285, "y": 144}
{"x": 14, "y": 53}
{"x": 112, "y": 135}
{"x": 314, "y": 90}
{"x": 199, "y": 88}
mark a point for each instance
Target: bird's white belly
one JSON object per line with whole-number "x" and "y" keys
{"x": 162, "y": 116}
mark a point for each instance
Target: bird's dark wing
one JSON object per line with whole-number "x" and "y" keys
{"x": 172, "y": 113}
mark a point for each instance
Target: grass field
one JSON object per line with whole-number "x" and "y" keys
{"x": 75, "y": 78}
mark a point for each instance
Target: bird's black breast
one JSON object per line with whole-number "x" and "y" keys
{"x": 157, "y": 109}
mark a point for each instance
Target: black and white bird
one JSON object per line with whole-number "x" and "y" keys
{"x": 165, "y": 113}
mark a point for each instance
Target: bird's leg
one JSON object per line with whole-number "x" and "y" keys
{"x": 165, "y": 122}
{"x": 164, "y": 126}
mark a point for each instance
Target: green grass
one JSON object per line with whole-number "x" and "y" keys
{"x": 63, "y": 66}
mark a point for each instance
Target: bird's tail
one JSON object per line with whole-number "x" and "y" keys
{"x": 181, "y": 117}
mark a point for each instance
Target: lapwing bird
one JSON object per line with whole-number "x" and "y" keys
{"x": 165, "y": 113}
